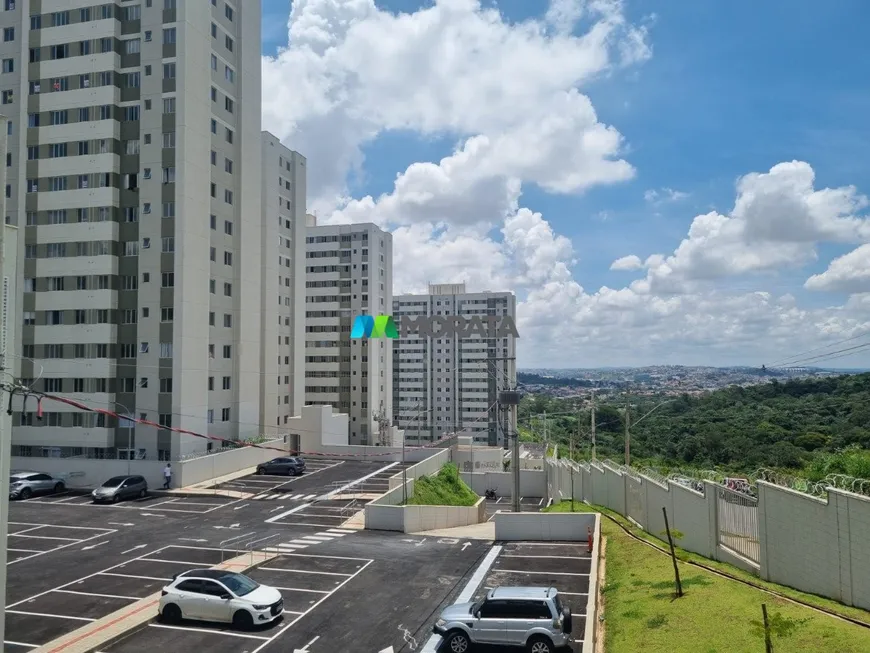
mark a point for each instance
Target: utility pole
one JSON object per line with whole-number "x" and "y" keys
{"x": 627, "y": 433}
{"x": 572, "y": 460}
{"x": 592, "y": 425}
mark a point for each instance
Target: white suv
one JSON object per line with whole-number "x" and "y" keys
{"x": 530, "y": 617}
{"x": 219, "y": 595}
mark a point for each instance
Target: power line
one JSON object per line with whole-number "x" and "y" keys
{"x": 784, "y": 362}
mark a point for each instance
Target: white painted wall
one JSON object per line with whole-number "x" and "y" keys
{"x": 533, "y": 483}
{"x": 544, "y": 526}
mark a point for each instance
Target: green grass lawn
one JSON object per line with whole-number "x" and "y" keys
{"x": 446, "y": 488}
{"x": 714, "y": 615}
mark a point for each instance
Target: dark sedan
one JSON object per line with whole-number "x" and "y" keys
{"x": 291, "y": 466}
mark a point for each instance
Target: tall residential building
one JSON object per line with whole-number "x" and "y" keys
{"x": 135, "y": 180}
{"x": 282, "y": 347}
{"x": 442, "y": 385}
{"x": 349, "y": 272}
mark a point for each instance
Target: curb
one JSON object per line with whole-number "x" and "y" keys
{"x": 88, "y": 638}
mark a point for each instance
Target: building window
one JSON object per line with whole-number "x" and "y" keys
{"x": 165, "y": 350}
{"x": 228, "y": 320}
{"x": 166, "y": 314}
{"x": 225, "y": 414}
{"x": 226, "y": 382}
{"x": 228, "y": 351}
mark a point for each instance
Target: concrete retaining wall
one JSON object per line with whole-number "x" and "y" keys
{"x": 88, "y": 473}
{"x": 533, "y": 483}
{"x": 386, "y": 514}
{"x": 544, "y": 526}
{"x": 204, "y": 468}
{"x": 427, "y": 518}
{"x": 811, "y": 544}
{"x": 430, "y": 465}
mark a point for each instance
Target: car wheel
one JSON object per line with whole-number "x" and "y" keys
{"x": 457, "y": 642}
{"x": 59, "y": 487}
{"x": 26, "y": 493}
{"x": 171, "y": 613}
{"x": 261, "y": 471}
{"x": 539, "y": 645}
{"x": 115, "y": 498}
{"x": 242, "y": 620}
{"x": 142, "y": 494}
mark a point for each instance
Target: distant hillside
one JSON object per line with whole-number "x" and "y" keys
{"x": 525, "y": 378}
{"x": 789, "y": 424}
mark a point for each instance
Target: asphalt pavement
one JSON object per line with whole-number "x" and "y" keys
{"x": 345, "y": 590}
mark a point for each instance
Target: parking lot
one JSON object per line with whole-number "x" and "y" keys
{"x": 31, "y": 540}
{"x": 565, "y": 566}
{"x": 305, "y": 581}
{"x": 153, "y": 502}
{"x": 264, "y": 486}
{"x": 45, "y": 616}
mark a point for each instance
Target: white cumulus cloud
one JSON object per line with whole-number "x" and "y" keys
{"x": 511, "y": 98}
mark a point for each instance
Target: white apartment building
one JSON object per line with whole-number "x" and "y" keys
{"x": 444, "y": 385}
{"x": 134, "y": 176}
{"x": 282, "y": 348}
{"x": 349, "y": 272}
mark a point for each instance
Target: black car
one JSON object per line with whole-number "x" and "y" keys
{"x": 291, "y": 465}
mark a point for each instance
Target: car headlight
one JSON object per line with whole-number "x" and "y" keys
{"x": 440, "y": 623}
{"x": 261, "y": 607}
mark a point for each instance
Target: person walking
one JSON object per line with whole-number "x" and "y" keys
{"x": 167, "y": 476}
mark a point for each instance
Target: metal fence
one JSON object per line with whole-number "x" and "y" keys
{"x": 738, "y": 522}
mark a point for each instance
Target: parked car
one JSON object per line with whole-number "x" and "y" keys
{"x": 290, "y": 465}
{"x": 530, "y": 617}
{"x": 23, "y": 485}
{"x": 220, "y": 595}
{"x": 121, "y": 487}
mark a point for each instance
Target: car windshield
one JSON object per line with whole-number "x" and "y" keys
{"x": 239, "y": 584}
{"x": 115, "y": 481}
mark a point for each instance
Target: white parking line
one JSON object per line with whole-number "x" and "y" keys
{"x": 45, "y": 537}
{"x": 302, "y": 571}
{"x": 467, "y": 592}
{"x": 9, "y": 641}
{"x": 312, "y": 607}
{"x": 172, "y": 562}
{"x": 70, "y": 541}
{"x": 506, "y": 555}
{"x": 314, "y": 555}
{"x": 541, "y": 573}
{"x": 316, "y": 539}
{"x": 107, "y": 573}
{"x": 107, "y": 596}
{"x": 229, "y": 633}
{"x": 46, "y": 614}
{"x": 272, "y": 520}
{"x": 340, "y": 530}
{"x": 298, "y": 589}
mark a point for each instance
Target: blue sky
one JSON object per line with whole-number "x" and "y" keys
{"x": 731, "y": 88}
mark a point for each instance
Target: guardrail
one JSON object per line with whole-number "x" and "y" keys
{"x": 258, "y": 543}
{"x": 237, "y": 541}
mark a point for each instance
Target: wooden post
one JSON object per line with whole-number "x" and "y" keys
{"x": 768, "y": 646}
{"x": 673, "y": 554}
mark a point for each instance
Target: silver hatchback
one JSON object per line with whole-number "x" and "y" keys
{"x": 23, "y": 485}
{"x": 121, "y": 487}
{"x": 531, "y": 617}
